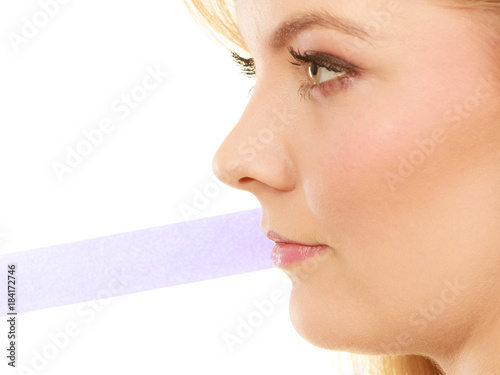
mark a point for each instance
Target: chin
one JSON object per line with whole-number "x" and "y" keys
{"x": 333, "y": 325}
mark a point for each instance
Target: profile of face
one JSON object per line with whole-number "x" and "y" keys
{"x": 374, "y": 128}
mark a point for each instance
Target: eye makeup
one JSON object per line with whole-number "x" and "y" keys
{"x": 313, "y": 62}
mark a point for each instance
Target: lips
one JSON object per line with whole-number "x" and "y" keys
{"x": 287, "y": 252}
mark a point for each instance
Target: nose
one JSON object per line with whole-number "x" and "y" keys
{"x": 254, "y": 155}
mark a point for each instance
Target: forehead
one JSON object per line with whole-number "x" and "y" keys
{"x": 259, "y": 20}
{"x": 403, "y": 24}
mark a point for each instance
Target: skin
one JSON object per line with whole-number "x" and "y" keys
{"x": 412, "y": 266}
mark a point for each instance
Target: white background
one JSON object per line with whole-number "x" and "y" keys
{"x": 62, "y": 81}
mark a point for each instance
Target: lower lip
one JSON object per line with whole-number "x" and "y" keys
{"x": 285, "y": 254}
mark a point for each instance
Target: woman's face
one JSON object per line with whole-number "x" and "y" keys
{"x": 394, "y": 163}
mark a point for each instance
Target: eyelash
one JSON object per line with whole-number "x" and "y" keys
{"x": 331, "y": 63}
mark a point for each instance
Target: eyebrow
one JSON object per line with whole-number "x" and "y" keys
{"x": 290, "y": 29}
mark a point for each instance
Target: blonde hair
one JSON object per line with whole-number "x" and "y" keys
{"x": 217, "y": 18}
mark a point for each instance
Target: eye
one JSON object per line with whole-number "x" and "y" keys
{"x": 320, "y": 74}
{"x": 326, "y": 72}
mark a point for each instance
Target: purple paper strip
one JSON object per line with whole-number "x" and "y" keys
{"x": 138, "y": 261}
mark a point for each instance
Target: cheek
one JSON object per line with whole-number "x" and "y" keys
{"x": 367, "y": 158}
{"x": 369, "y": 185}
{"x": 420, "y": 233}
{"x": 349, "y": 179}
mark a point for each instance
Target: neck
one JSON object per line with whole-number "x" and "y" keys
{"x": 479, "y": 354}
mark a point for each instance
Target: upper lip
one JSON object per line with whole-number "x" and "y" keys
{"x": 278, "y": 238}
